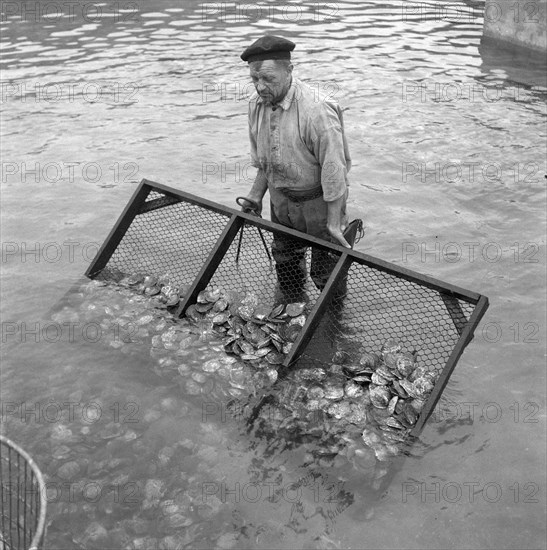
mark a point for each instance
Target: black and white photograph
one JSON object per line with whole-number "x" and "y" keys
{"x": 273, "y": 275}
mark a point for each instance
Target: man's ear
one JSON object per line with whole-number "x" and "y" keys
{"x": 289, "y": 68}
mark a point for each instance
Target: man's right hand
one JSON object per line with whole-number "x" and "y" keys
{"x": 250, "y": 205}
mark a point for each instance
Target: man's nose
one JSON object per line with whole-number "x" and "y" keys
{"x": 260, "y": 87}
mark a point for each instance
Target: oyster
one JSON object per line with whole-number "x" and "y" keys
{"x": 149, "y": 281}
{"x": 220, "y": 305}
{"x": 362, "y": 378}
{"x": 193, "y": 314}
{"x": 351, "y": 389}
{"x": 423, "y": 386}
{"x": 351, "y": 368}
{"x": 398, "y": 389}
{"x": 316, "y": 392}
{"x": 199, "y": 377}
{"x": 212, "y": 296}
{"x": 317, "y": 374}
{"x": 134, "y": 279}
{"x": 262, "y": 351}
{"x": 369, "y": 360}
{"x": 390, "y": 346}
{"x": 405, "y": 364}
{"x": 410, "y": 414}
{"x": 390, "y": 360}
{"x": 417, "y": 373}
{"x": 245, "y": 312}
{"x": 299, "y": 320}
{"x": 261, "y": 313}
{"x": 278, "y": 310}
{"x": 379, "y": 380}
{"x": 392, "y": 404}
{"x": 339, "y": 410}
{"x": 386, "y": 373}
{"x": 272, "y": 374}
{"x": 370, "y": 437}
{"x": 221, "y": 318}
{"x": 408, "y": 387}
{"x": 392, "y": 422}
{"x": 203, "y": 307}
{"x": 274, "y": 358}
{"x": 250, "y": 299}
{"x": 211, "y": 366}
{"x": 172, "y": 299}
{"x": 379, "y": 396}
{"x": 295, "y": 309}
{"x": 357, "y": 415}
{"x": 292, "y": 332}
{"x": 417, "y": 404}
{"x": 249, "y": 357}
{"x": 333, "y": 390}
{"x": 246, "y": 347}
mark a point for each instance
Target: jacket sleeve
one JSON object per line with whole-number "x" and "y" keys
{"x": 330, "y": 150}
{"x": 252, "y": 117}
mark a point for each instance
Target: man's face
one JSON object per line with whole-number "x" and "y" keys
{"x": 270, "y": 80}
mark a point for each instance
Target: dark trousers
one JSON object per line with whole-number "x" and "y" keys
{"x": 309, "y": 217}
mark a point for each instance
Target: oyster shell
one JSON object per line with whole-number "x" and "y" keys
{"x": 351, "y": 389}
{"x": 390, "y": 346}
{"x": 379, "y": 396}
{"x": 423, "y": 386}
{"x": 405, "y": 364}
{"x": 369, "y": 360}
{"x": 295, "y": 309}
{"x": 333, "y": 390}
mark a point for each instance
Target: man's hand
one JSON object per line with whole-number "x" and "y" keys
{"x": 337, "y": 220}
{"x": 250, "y": 205}
{"x": 255, "y": 195}
{"x": 338, "y": 234}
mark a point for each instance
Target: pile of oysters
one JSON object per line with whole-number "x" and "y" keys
{"x": 393, "y": 383}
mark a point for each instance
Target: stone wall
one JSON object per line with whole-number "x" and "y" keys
{"x": 520, "y": 22}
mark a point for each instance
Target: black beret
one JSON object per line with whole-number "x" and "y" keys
{"x": 268, "y": 47}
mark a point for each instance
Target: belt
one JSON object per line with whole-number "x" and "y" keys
{"x": 303, "y": 195}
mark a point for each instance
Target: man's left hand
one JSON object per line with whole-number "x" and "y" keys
{"x": 337, "y": 220}
{"x": 337, "y": 232}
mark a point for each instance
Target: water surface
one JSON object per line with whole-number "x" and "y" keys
{"x": 448, "y": 142}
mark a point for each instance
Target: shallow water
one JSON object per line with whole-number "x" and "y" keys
{"x": 448, "y": 184}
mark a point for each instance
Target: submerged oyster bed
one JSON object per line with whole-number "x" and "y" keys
{"x": 351, "y": 413}
{"x": 370, "y": 402}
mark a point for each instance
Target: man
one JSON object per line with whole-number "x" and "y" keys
{"x": 300, "y": 150}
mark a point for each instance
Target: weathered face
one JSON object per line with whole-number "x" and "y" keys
{"x": 271, "y": 80}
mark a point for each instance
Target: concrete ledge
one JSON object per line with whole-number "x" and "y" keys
{"x": 519, "y": 22}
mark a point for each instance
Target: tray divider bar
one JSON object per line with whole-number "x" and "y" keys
{"x": 118, "y": 231}
{"x": 213, "y": 261}
{"x": 157, "y": 203}
{"x": 455, "y": 310}
{"x": 338, "y": 273}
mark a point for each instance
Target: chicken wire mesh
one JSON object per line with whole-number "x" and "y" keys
{"x": 378, "y": 306}
{"x": 176, "y": 239}
{"x": 354, "y": 303}
{"x": 22, "y": 499}
{"x": 249, "y": 265}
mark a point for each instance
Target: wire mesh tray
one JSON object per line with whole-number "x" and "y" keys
{"x": 357, "y": 303}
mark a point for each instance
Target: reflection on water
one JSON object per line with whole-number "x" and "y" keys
{"x": 448, "y": 146}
